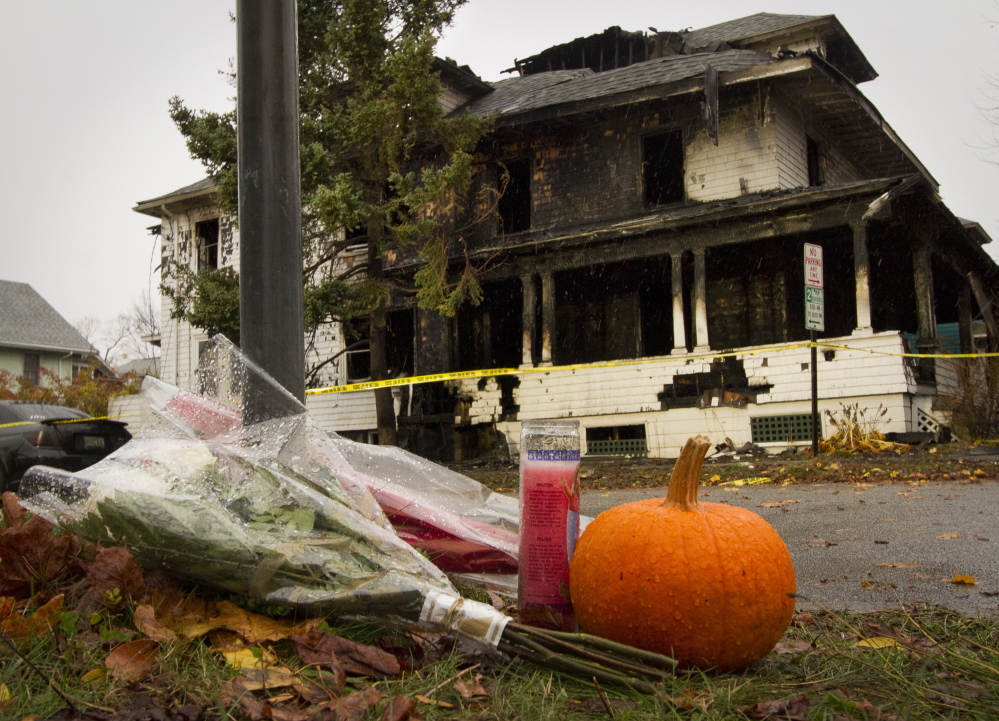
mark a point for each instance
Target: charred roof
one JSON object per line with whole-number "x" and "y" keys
{"x": 765, "y": 32}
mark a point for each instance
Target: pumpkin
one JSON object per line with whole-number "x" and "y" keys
{"x": 709, "y": 584}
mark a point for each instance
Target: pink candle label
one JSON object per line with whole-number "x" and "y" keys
{"x": 549, "y": 525}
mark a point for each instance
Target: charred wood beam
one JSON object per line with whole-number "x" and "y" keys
{"x": 862, "y": 274}
{"x": 547, "y": 317}
{"x": 608, "y": 246}
{"x": 679, "y": 327}
{"x": 528, "y": 315}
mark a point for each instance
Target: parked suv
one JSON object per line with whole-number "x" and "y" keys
{"x": 45, "y": 434}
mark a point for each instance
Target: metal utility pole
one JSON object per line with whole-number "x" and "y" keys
{"x": 271, "y": 325}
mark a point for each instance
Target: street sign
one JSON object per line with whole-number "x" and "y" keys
{"x": 815, "y": 308}
{"x": 813, "y": 265}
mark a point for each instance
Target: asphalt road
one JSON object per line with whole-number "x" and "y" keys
{"x": 869, "y": 547}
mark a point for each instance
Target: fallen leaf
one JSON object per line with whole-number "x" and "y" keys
{"x": 788, "y": 708}
{"x": 400, "y": 708}
{"x": 258, "y": 679}
{"x": 190, "y": 617}
{"x": 356, "y": 659}
{"x": 961, "y": 579}
{"x": 145, "y": 622}
{"x": 878, "y": 642}
{"x": 948, "y": 536}
{"x": 4, "y": 693}
{"x": 21, "y": 629}
{"x": 32, "y": 556}
{"x": 898, "y": 565}
{"x": 132, "y": 661}
{"x": 820, "y": 543}
{"x": 353, "y": 707}
{"x": 792, "y": 647}
{"x": 238, "y": 656}
{"x": 113, "y": 580}
{"x": 865, "y": 583}
{"x": 779, "y": 504}
{"x": 471, "y": 689}
{"x": 94, "y": 675}
{"x": 755, "y": 481}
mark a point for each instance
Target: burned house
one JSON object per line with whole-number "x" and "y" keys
{"x": 648, "y": 274}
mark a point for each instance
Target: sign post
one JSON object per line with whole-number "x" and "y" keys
{"x": 815, "y": 320}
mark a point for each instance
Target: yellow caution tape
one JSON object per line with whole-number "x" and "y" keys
{"x": 489, "y": 372}
{"x": 67, "y": 420}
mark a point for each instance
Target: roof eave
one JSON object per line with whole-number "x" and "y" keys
{"x": 49, "y": 348}
{"x": 160, "y": 207}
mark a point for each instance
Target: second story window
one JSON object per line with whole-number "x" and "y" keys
{"x": 207, "y": 234}
{"x": 515, "y": 204}
{"x": 662, "y": 163}
{"x": 816, "y": 162}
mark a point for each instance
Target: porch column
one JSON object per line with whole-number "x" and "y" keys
{"x": 923, "y": 277}
{"x": 530, "y": 301}
{"x": 547, "y": 317}
{"x": 966, "y": 320}
{"x": 679, "y": 329}
{"x": 862, "y": 274}
{"x": 700, "y": 303}
{"x": 925, "y": 315}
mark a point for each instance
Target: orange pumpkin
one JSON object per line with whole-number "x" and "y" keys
{"x": 709, "y": 584}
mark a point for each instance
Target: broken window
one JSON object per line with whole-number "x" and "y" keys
{"x": 490, "y": 334}
{"x": 399, "y": 345}
{"x": 358, "y": 357}
{"x": 816, "y": 162}
{"x": 207, "y": 234}
{"x": 612, "y": 312}
{"x": 515, "y": 204}
{"x": 662, "y": 161}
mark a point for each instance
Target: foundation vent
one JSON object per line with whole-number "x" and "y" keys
{"x": 782, "y": 429}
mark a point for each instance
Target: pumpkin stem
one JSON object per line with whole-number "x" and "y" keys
{"x": 683, "y": 483}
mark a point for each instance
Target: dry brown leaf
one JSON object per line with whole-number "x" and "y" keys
{"x": 22, "y": 629}
{"x": 356, "y": 659}
{"x": 146, "y": 623}
{"x": 258, "y": 679}
{"x": 779, "y": 504}
{"x": 400, "y": 708}
{"x": 132, "y": 661}
{"x": 30, "y": 556}
{"x": 785, "y": 647}
{"x": 353, "y": 707}
{"x": 897, "y": 565}
{"x": 113, "y": 580}
{"x": 948, "y": 536}
{"x": 471, "y": 689}
{"x": 820, "y": 543}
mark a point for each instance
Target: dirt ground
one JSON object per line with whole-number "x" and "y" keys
{"x": 936, "y": 462}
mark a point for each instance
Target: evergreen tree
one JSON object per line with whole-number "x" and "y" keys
{"x": 379, "y": 160}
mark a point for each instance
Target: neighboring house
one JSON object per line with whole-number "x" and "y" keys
{"x": 660, "y": 191}
{"x": 33, "y": 336}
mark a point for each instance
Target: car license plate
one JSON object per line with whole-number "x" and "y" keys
{"x": 92, "y": 443}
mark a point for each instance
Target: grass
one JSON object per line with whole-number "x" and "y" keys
{"x": 938, "y": 665}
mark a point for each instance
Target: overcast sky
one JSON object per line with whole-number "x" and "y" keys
{"x": 84, "y": 132}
